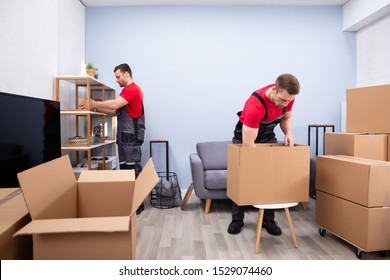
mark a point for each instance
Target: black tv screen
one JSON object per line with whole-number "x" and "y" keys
{"x": 30, "y": 134}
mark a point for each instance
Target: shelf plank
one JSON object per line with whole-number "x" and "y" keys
{"x": 68, "y": 147}
{"x": 82, "y": 82}
{"x": 82, "y": 113}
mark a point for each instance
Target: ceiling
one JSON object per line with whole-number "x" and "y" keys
{"x": 89, "y": 3}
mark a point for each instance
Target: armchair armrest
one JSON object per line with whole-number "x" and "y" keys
{"x": 197, "y": 171}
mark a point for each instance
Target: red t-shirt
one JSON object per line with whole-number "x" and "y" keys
{"x": 254, "y": 111}
{"x": 134, "y": 95}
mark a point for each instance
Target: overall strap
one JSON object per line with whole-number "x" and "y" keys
{"x": 258, "y": 96}
{"x": 135, "y": 121}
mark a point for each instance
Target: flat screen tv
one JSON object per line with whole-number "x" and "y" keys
{"x": 30, "y": 134}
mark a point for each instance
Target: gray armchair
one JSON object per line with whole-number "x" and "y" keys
{"x": 208, "y": 170}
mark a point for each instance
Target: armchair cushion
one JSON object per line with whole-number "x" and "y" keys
{"x": 215, "y": 179}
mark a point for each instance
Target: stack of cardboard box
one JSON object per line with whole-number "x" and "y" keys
{"x": 353, "y": 177}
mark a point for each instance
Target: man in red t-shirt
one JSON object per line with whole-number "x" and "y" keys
{"x": 263, "y": 111}
{"x": 129, "y": 109}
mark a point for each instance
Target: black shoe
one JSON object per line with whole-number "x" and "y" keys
{"x": 271, "y": 227}
{"x": 235, "y": 226}
{"x": 140, "y": 209}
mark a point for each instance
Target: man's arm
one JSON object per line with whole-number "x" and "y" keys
{"x": 286, "y": 126}
{"x": 249, "y": 136}
{"x": 108, "y": 107}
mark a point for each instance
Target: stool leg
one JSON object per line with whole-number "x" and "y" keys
{"x": 258, "y": 229}
{"x": 187, "y": 196}
{"x": 291, "y": 227}
{"x": 207, "y": 205}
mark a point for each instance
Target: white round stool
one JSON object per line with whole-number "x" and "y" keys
{"x": 261, "y": 215}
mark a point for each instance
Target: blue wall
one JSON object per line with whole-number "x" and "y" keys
{"x": 198, "y": 64}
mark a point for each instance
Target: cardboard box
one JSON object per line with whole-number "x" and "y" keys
{"x": 365, "y": 145}
{"x": 93, "y": 218}
{"x": 96, "y": 164}
{"x": 268, "y": 173}
{"x": 13, "y": 216}
{"x": 360, "y": 180}
{"x": 366, "y": 228}
{"x": 110, "y": 162}
{"x": 368, "y": 109}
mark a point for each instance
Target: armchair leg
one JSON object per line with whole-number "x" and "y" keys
{"x": 187, "y": 196}
{"x": 207, "y": 205}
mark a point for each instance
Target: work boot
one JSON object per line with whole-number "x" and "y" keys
{"x": 271, "y": 227}
{"x": 140, "y": 209}
{"x": 235, "y": 226}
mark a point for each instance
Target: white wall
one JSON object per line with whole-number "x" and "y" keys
{"x": 71, "y": 37}
{"x": 373, "y": 53}
{"x": 360, "y": 13}
{"x": 28, "y": 47}
{"x": 39, "y": 40}
{"x": 371, "y": 21}
{"x": 198, "y": 64}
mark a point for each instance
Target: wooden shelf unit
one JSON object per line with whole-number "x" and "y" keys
{"x": 86, "y": 87}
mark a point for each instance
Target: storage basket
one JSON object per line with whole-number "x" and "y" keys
{"x": 166, "y": 193}
{"x": 78, "y": 141}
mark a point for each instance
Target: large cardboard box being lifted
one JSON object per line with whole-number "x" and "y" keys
{"x": 360, "y": 180}
{"x": 365, "y": 145}
{"x": 268, "y": 173}
{"x": 92, "y": 218}
{"x": 368, "y": 109}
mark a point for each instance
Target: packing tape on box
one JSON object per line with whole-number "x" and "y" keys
{"x": 11, "y": 195}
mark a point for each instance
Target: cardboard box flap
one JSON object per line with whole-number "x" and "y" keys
{"x": 105, "y": 193}
{"x": 50, "y": 189}
{"x": 104, "y": 176}
{"x": 99, "y": 224}
{"x": 144, "y": 184}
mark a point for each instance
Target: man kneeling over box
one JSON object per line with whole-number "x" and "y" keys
{"x": 92, "y": 218}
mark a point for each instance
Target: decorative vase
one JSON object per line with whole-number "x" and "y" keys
{"x": 91, "y": 72}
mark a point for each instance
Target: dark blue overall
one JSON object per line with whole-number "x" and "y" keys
{"x": 130, "y": 136}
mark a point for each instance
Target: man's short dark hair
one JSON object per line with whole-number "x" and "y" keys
{"x": 124, "y": 67}
{"x": 288, "y": 82}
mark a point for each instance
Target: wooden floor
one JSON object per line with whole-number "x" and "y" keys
{"x": 190, "y": 234}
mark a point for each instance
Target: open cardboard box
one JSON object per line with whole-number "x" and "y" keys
{"x": 268, "y": 173}
{"x": 92, "y": 218}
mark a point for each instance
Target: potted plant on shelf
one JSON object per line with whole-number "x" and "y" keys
{"x": 91, "y": 70}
